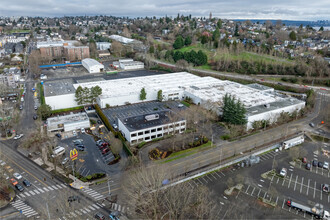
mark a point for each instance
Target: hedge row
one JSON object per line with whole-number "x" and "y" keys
{"x": 67, "y": 109}
{"x": 42, "y": 97}
{"x": 108, "y": 125}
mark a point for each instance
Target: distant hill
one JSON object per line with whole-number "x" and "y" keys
{"x": 291, "y": 23}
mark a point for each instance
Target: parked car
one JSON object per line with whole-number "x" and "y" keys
{"x": 26, "y": 183}
{"x": 314, "y": 163}
{"x": 17, "y": 176}
{"x": 320, "y": 164}
{"x": 325, "y": 188}
{"x": 74, "y": 133}
{"x": 65, "y": 160}
{"x": 21, "y": 107}
{"x": 35, "y": 107}
{"x": 326, "y": 165}
{"x": 18, "y": 136}
{"x": 78, "y": 142}
{"x": 81, "y": 147}
{"x": 58, "y": 135}
{"x": 19, "y": 187}
{"x": 308, "y": 166}
{"x": 312, "y": 124}
{"x": 304, "y": 160}
{"x": 283, "y": 172}
{"x": 83, "y": 130}
{"x": 114, "y": 215}
{"x": 105, "y": 150}
{"x": 99, "y": 122}
{"x": 99, "y": 216}
{"x": 35, "y": 117}
{"x": 13, "y": 181}
{"x": 115, "y": 126}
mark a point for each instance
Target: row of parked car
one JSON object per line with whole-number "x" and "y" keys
{"x": 315, "y": 163}
{"x": 103, "y": 146}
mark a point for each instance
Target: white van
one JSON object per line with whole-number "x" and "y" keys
{"x": 58, "y": 151}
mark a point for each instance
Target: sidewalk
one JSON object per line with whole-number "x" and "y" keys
{"x": 77, "y": 184}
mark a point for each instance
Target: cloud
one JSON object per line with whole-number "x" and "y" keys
{"x": 249, "y": 9}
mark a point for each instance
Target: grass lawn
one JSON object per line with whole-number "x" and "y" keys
{"x": 185, "y": 153}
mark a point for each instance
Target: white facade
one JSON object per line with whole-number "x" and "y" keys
{"x": 206, "y": 91}
{"x": 147, "y": 134}
{"x": 61, "y": 101}
{"x": 92, "y": 65}
{"x": 103, "y": 45}
{"x": 132, "y": 65}
{"x": 68, "y": 122}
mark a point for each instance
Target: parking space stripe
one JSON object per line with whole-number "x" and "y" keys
{"x": 308, "y": 187}
{"x": 289, "y": 180}
{"x": 283, "y": 203}
{"x": 213, "y": 176}
{"x": 208, "y": 177}
{"x": 247, "y": 189}
{"x": 295, "y": 183}
{"x": 302, "y": 183}
{"x": 314, "y": 190}
{"x": 276, "y": 200}
{"x": 259, "y": 192}
{"x": 217, "y": 174}
{"x": 223, "y": 174}
{"x": 253, "y": 190}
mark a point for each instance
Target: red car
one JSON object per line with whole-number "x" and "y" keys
{"x": 105, "y": 144}
{"x": 304, "y": 160}
{"x": 105, "y": 150}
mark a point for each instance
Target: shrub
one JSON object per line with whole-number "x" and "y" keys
{"x": 225, "y": 137}
{"x": 141, "y": 144}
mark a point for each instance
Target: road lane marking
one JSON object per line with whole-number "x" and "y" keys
{"x": 25, "y": 170}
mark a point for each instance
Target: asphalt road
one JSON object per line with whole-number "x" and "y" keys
{"x": 44, "y": 190}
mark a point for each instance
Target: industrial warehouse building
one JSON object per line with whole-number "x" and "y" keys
{"x": 68, "y": 122}
{"x": 92, "y": 65}
{"x": 262, "y": 103}
{"x": 130, "y": 64}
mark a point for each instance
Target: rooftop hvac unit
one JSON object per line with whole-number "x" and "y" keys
{"x": 152, "y": 117}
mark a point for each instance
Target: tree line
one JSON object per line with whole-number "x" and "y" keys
{"x": 197, "y": 58}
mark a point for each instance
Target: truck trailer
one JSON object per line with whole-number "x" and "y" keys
{"x": 316, "y": 211}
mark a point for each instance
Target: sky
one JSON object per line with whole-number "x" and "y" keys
{"x": 232, "y": 9}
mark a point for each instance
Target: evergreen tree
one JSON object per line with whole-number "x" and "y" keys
{"x": 292, "y": 35}
{"x": 219, "y": 24}
{"x": 79, "y": 95}
{"x": 178, "y": 55}
{"x": 204, "y": 39}
{"x": 216, "y": 34}
{"x": 160, "y": 95}
{"x": 233, "y": 111}
{"x": 187, "y": 41}
{"x": 44, "y": 111}
{"x": 178, "y": 43}
{"x": 143, "y": 94}
{"x": 95, "y": 92}
{"x": 321, "y": 28}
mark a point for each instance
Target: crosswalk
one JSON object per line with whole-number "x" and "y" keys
{"x": 37, "y": 191}
{"x": 83, "y": 211}
{"x": 24, "y": 208}
{"x": 94, "y": 194}
{"x": 119, "y": 208}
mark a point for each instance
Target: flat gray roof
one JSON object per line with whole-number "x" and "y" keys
{"x": 58, "y": 87}
{"x": 96, "y": 79}
{"x": 255, "y": 110}
{"x": 259, "y": 87}
{"x": 139, "y": 122}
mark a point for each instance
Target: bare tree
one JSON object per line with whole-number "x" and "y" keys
{"x": 116, "y": 48}
{"x": 147, "y": 198}
{"x": 35, "y": 60}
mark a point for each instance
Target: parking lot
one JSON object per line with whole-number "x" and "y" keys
{"x": 300, "y": 185}
{"x": 139, "y": 109}
{"x": 91, "y": 160}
